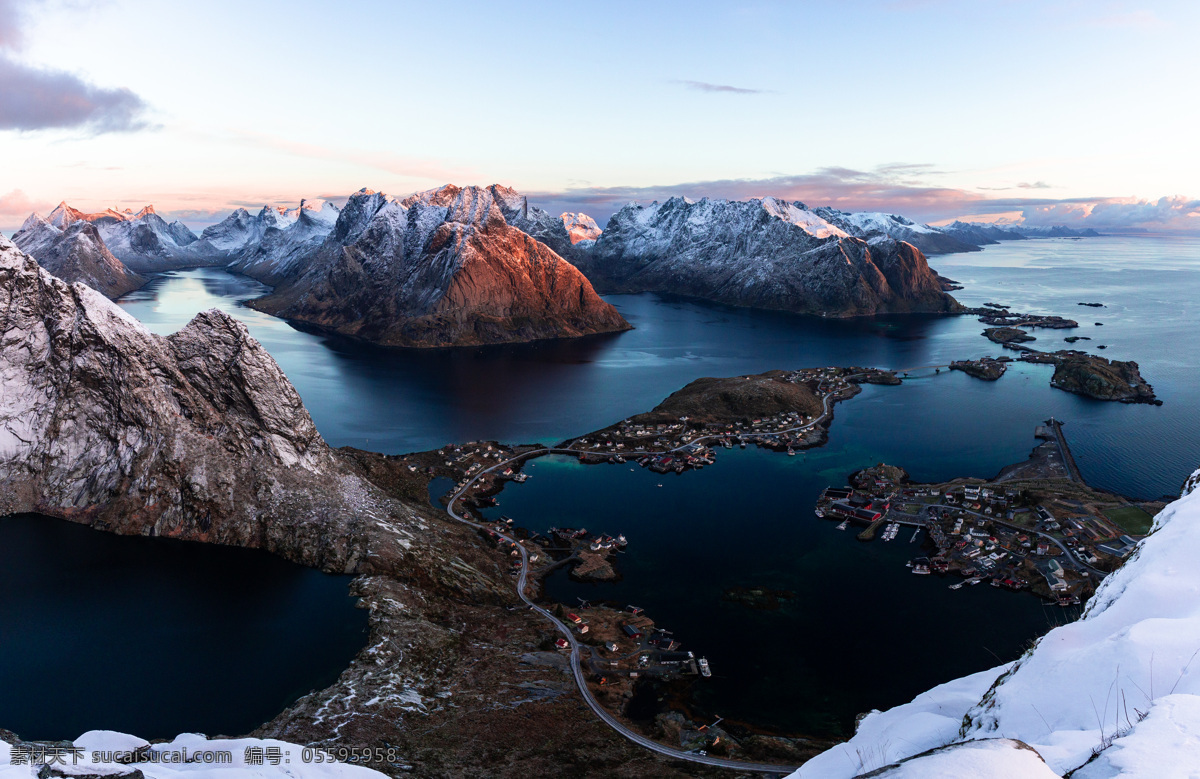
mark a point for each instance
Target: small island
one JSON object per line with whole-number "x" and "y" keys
{"x": 1007, "y": 335}
{"x": 986, "y": 368}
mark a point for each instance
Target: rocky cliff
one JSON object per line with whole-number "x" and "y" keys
{"x": 197, "y": 436}
{"x": 76, "y": 253}
{"x": 441, "y": 268}
{"x": 762, "y": 253}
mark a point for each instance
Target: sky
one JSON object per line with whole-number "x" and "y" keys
{"x": 1048, "y": 112}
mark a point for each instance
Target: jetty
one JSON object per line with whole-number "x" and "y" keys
{"x": 1055, "y": 431}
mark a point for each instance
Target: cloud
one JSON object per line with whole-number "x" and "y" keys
{"x": 704, "y": 86}
{"x": 10, "y": 24}
{"x": 1034, "y": 185}
{"x": 1167, "y": 214}
{"x": 33, "y": 98}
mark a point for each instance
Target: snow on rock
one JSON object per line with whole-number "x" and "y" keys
{"x": 760, "y": 253}
{"x": 444, "y": 267}
{"x": 276, "y": 243}
{"x": 580, "y": 227}
{"x": 930, "y": 721}
{"x": 108, "y": 753}
{"x": 76, "y": 253}
{"x": 1165, "y": 745}
{"x": 989, "y": 759}
{"x": 197, "y": 435}
{"x": 144, "y": 241}
{"x": 1117, "y": 692}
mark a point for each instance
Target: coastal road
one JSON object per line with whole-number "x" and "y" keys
{"x": 576, "y": 663}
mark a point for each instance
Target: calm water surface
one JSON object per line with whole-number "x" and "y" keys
{"x": 158, "y": 637}
{"x": 862, "y": 632}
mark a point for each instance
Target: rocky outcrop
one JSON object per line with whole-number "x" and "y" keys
{"x": 1008, "y": 335}
{"x": 761, "y": 253}
{"x": 144, "y": 241}
{"x": 76, "y": 253}
{"x": 984, "y": 368}
{"x": 1102, "y": 379}
{"x": 441, "y": 268}
{"x": 196, "y": 436}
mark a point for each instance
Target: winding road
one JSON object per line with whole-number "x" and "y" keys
{"x": 575, "y": 658}
{"x": 576, "y": 663}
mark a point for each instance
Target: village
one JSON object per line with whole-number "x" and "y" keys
{"x": 684, "y": 432}
{"x": 1035, "y": 527}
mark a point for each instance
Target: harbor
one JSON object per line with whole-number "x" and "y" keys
{"x": 1036, "y": 527}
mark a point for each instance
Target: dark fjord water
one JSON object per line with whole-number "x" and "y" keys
{"x": 861, "y": 632}
{"x": 158, "y": 637}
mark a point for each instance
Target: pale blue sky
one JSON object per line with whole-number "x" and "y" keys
{"x": 586, "y": 105}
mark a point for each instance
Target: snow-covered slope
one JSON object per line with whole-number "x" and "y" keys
{"x": 762, "y": 253}
{"x": 107, "y": 753}
{"x": 76, "y": 253}
{"x": 279, "y": 240}
{"x": 144, "y": 241}
{"x": 873, "y": 225}
{"x": 440, "y": 268}
{"x": 1116, "y": 693}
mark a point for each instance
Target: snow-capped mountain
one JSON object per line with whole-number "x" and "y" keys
{"x": 761, "y": 253}
{"x": 1115, "y": 694}
{"x": 261, "y": 243}
{"x": 440, "y": 268}
{"x": 144, "y": 241}
{"x": 873, "y": 225}
{"x": 279, "y": 239}
{"x": 76, "y": 253}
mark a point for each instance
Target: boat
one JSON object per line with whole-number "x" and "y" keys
{"x": 704, "y": 669}
{"x": 845, "y": 524}
{"x": 974, "y": 580}
{"x": 819, "y": 512}
{"x": 956, "y": 586}
{"x": 791, "y": 452}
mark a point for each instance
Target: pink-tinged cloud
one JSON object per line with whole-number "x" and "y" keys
{"x": 894, "y": 188}
{"x": 898, "y": 189}
{"x": 1167, "y": 214}
{"x": 15, "y": 206}
{"x": 395, "y": 164}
